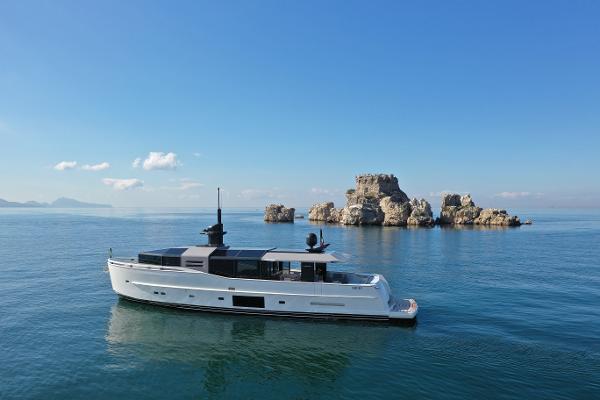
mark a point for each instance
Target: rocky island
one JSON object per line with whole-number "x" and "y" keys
{"x": 279, "y": 213}
{"x": 461, "y": 210}
{"x": 378, "y": 200}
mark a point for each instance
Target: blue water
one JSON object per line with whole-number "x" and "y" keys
{"x": 504, "y": 313}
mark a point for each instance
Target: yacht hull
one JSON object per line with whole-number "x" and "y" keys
{"x": 194, "y": 290}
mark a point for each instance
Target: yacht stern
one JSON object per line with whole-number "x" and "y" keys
{"x": 403, "y": 309}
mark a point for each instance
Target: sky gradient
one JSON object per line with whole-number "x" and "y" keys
{"x": 280, "y": 101}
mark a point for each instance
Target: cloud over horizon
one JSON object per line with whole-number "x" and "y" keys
{"x": 157, "y": 160}
{"x": 516, "y": 195}
{"x": 96, "y": 167}
{"x": 187, "y": 183}
{"x": 258, "y": 194}
{"x": 65, "y": 165}
{"x": 123, "y": 184}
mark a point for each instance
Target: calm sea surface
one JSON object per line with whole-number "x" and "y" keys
{"x": 504, "y": 313}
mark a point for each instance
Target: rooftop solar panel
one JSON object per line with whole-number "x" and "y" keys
{"x": 237, "y": 253}
{"x": 252, "y": 253}
{"x": 173, "y": 251}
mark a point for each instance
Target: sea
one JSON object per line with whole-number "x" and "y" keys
{"x": 505, "y": 313}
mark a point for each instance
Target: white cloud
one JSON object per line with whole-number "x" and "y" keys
{"x": 159, "y": 160}
{"x": 516, "y": 195}
{"x": 317, "y": 190}
{"x": 445, "y": 192}
{"x": 96, "y": 167}
{"x": 136, "y": 162}
{"x": 64, "y": 165}
{"x": 198, "y": 155}
{"x": 186, "y": 184}
{"x": 123, "y": 184}
{"x": 256, "y": 194}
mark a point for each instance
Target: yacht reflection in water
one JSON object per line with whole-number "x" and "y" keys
{"x": 223, "y": 345}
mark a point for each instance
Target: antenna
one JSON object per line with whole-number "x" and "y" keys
{"x": 218, "y": 205}
{"x": 215, "y": 232}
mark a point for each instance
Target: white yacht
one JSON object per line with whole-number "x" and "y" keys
{"x": 266, "y": 281}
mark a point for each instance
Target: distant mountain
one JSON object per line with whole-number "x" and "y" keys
{"x": 62, "y": 202}
{"x": 65, "y": 202}
{"x": 4, "y": 203}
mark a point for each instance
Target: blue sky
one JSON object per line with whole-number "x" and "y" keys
{"x": 281, "y": 101}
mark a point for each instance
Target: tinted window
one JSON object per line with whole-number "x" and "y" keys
{"x": 284, "y": 266}
{"x": 248, "y": 269}
{"x": 171, "y": 261}
{"x": 225, "y": 253}
{"x": 222, "y": 267}
{"x": 268, "y": 269}
{"x": 149, "y": 259}
{"x": 249, "y": 301}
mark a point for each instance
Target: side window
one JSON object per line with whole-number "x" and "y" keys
{"x": 173, "y": 261}
{"x": 268, "y": 269}
{"x": 149, "y": 259}
{"x": 284, "y": 266}
{"x": 222, "y": 267}
{"x": 248, "y": 269}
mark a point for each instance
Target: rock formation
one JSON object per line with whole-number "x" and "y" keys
{"x": 494, "y": 216}
{"x": 461, "y": 210}
{"x": 324, "y": 212}
{"x": 378, "y": 186}
{"x": 376, "y": 200}
{"x": 421, "y": 214}
{"x": 279, "y": 213}
{"x": 395, "y": 213}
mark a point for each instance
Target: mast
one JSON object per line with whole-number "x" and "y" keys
{"x": 215, "y": 232}
{"x": 219, "y": 205}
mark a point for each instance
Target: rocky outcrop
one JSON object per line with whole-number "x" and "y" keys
{"x": 362, "y": 214}
{"x": 378, "y": 186}
{"x": 373, "y": 196}
{"x": 376, "y": 200}
{"x": 494, "y": 216}
{"x": 421, "y": 214}
{"x": 458, "y": 210}
{"x": 279, "y": 213}
{"x": 325, "y": 212}
{"x": 396, "y": 213}
{"x": 461, "y": 210}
